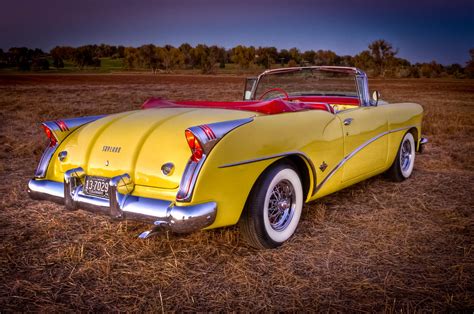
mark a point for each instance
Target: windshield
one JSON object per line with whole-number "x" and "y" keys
{"x": 306, "y": 82}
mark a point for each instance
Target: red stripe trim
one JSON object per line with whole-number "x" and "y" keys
{"x": 209, "y": 131}
{"x": 59, "y": 126}
{"x": 63, "y": 125}
{"x": 202, "y": 128}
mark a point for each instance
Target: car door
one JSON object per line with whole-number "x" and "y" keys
{"x": 365, "y": 143}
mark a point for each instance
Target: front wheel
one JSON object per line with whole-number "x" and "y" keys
{"x": 404, "y": 162}
{"x": 274, "y": 207}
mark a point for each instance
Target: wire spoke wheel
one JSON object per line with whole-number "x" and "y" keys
{"x": 274, "y": 207}
{"x": 281, "y": 206}
{"x": 402, "y": 166}
{"x": 406, "y": 155}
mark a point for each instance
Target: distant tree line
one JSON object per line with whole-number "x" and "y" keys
{"x": 379, "y": 60}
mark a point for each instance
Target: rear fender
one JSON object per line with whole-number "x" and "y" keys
{"x": 237, "y": 161}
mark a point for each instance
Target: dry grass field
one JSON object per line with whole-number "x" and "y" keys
{"x": 376, "y": 246}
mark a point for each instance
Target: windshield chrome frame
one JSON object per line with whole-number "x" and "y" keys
{"x": 361, "y": 79}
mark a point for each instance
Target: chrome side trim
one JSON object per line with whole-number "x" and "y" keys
{"x": 188, "y": 180}
{"x": 354, "y": 152}
{"x": 301, "y": 154}
{"x": 249, "y": 161}
{"x": 44, "y": 161}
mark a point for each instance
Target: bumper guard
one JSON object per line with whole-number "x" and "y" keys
{"x": 121, "y": 204}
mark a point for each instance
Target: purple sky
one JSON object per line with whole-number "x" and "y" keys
{"x": 421, "y": 30}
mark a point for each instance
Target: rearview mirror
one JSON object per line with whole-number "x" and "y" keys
{"x": 249, "y": 86}
{"x": 375, "y": 97}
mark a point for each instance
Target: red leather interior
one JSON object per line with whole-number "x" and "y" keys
{"x": 273, "y": 106}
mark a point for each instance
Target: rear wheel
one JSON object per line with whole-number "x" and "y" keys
{"x": 404, "y": 162}
{"x": 274, "y": 207}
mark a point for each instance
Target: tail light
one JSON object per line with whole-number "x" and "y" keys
{"x": 52, "y": 139}
{"x": 194, "y": 145}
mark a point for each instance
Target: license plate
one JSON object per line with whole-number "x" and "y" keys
{"x": 97, "y": 186}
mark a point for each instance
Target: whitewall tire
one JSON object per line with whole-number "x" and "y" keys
{"x": 274, "y": 207}
{"x": 404, "y": 162}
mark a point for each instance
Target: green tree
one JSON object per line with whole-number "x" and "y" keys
{"x": 40, "y": 64}
{"x": 20, "y": 57}
{"x": 186, "y": 49}
{"x": 120, "y": 52}
{"x": 469, "y": 70}
{"x": 171, "y": 57}
{"x": 266, "y": 56}
{"x": 325, "y": 57}
{"x": 364, "y": 61}
{"x": 243, "y": 56}
{"x": 84, "y": 56}
{"x": 58, "y": 63}
{"x": 204, "y": 58}
{"x": 61, "y": 53}
{"x": 455, "y": 70}
{"x": 283, "y": 57}
{"x": 292, "y": 63}
{"x": 431, "y": 70}
{"x": 382, "y": 52}
{"x": 295, "y": 55}
{"x": 148, "y": 57}
{"x": 347, "y": 61}
{"x": 3, "y": 59}
{"x": 308, "y": 57}
{"x": 130, "y": 57}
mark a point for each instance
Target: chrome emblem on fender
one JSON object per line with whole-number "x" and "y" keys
{"x": 106, "y": 163}
{"x": 111, "y": 149}
{"x": 323, "y": 166}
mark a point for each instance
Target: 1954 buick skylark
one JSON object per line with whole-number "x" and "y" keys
{"x": 299, "y": 134}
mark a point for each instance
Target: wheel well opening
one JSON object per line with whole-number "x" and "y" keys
{"x": 414, "y": 132}
{"x": 303, "y": 171}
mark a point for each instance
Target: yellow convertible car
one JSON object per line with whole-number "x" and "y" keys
{"x": 298, "y": 134}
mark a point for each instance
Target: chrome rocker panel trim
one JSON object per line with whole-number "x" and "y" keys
{"x": 423, "y": 142}
{"x": 122, "y": 205}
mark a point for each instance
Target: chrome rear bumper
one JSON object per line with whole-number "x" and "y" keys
{"x": 122, "y": 204}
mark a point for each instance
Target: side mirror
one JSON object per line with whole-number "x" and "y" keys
{"x": 375, "y": 97}
{"x": 249, "y": 86}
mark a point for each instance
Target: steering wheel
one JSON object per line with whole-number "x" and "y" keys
{"x": 276, "y": 89}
